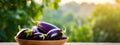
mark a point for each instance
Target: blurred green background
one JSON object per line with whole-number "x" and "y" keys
{"x": 85, "y": 22}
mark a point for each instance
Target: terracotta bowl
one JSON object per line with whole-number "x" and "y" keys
{"x": 40, "y": 42}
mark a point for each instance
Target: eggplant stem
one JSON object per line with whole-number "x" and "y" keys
{"x": 64, "y": 30}
{"x": 35, "y": 22}
{"x": 29, "y": 32}
{"x": 19, "y": 27}
{"x": 44, "y": 35}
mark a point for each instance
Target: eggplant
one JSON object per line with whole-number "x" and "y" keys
{"x": 64, "y": 37}
{"x": 45, "y": 27}
{"x": 22, "y": 34}
{"x": 54, "y": 34}
{"x": 35, "y": 34}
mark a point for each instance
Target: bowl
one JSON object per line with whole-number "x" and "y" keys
{"x": 40, "y": 42}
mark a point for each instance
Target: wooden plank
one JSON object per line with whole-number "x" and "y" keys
{"x": 9, "y": 43}
{"x": 74, "y": 43}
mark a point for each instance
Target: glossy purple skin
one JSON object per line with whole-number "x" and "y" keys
{"x": 45, "y": 27}
{"x": 36, "y": 35}
{"x": 21, "y": 34}
{"x": 54, "y": 34}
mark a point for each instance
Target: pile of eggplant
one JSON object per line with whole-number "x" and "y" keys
{"x": 44, "y": 31}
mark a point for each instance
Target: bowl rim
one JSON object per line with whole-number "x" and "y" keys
{"x": 38, "y": 40}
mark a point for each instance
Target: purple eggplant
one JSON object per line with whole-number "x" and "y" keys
{"x": 64, "y": 37}
{"x": 35, "y": 34}
{"x": 22, "y": 34}
{"x": 54, "y": 34}
{"x": 45, "y": 27}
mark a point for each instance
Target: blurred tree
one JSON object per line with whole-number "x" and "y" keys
{"x": 20, "y": 12}
{"x": 106, "y": 24}
{"x": 68, "y": 19}
{"x": 80, "y": 34}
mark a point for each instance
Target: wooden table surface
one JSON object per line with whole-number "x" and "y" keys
{"x": 74, "y": 43}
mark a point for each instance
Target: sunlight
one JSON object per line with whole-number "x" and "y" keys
{"x": 89, "y": 1}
